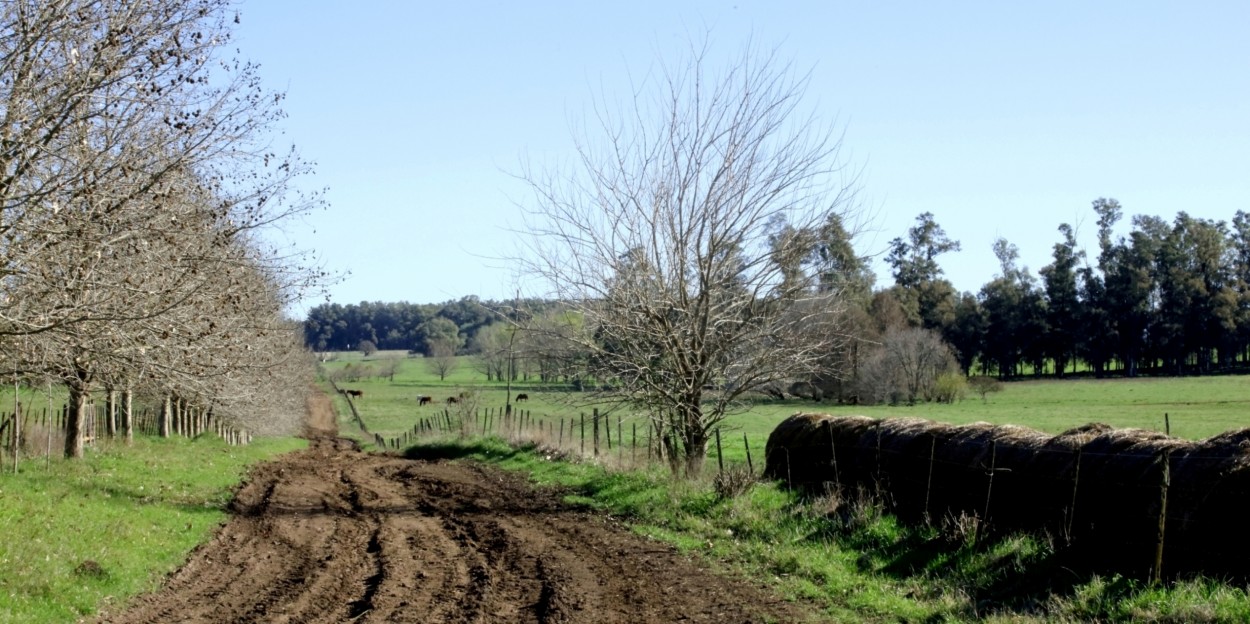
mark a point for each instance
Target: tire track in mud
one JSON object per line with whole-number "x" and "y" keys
{"x": 331, "y": 534}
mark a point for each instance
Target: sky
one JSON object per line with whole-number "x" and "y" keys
{"x": 1001, "y": 119}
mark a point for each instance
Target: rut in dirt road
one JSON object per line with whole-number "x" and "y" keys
{"x": 332, "y": 534}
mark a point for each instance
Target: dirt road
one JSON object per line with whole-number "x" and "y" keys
{"x": 331, "y": 534}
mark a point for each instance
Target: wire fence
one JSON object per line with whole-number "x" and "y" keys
{"x": 610, "y": 440}
{"x": 41, "y": 432}
{"x": 1133, "y": 501}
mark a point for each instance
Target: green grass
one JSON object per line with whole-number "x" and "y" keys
{"x": 1197, "y": 407}
{"x": 82, "y": 534}
{"x": 850, "y": 562}
{"x": 142, "y": 509}
{"x": 844, "y": 555}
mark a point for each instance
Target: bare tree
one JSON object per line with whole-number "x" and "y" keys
{"x": 442, "y": 360}
{"x": 490, "y": 346}
{"x": 133, "y": 165}
{"x": 907, "y": 365}
{"x": 388, "y": 367}
{"x": 659, "y": 241}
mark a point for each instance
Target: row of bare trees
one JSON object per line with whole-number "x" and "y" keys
{"x": 136, "y": 182}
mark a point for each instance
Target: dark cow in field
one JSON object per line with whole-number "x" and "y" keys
{"x": 354, "y": 393}
{"x": 522, "y": 397}
{"x": 424, "y": 400}
{"x": 452, "y": 400}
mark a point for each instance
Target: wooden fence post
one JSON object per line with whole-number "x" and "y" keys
{"x": 878, "y": 479}
{"x": 649, "y": 428}
{"x": 596, "y": 427}
{"x": 747, "y": 444}
{"x": 928, "y": 489}
{"x": 1163, "y": 514}
{"x": 720, "y": 457}
{"x": 833, "y": 456}
{"x": 989, "y": 486}
{"x": 1076, "y": 482}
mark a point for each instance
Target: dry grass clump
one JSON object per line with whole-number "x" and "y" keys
{"x": 733, "y": 482}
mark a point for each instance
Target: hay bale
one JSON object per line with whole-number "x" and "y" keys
{"x": 1094, "y": 488}
{"x": 805, "y": 450}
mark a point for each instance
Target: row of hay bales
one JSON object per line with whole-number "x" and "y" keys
{"x": 1098, "y": 491}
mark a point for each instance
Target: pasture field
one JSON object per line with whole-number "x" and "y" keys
{"x": 1197, "y": 407}
{"x": 844, "y": 555}
{"x": 81, "y": 535}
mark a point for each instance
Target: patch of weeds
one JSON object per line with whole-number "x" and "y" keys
{"x": 733, "y": 482}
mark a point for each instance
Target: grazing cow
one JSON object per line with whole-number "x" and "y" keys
{"x": 522, "y": 397}
{"x": 355, "y": 393}
{"x": 452, "y": 400}
{"x": 422, "y": 400}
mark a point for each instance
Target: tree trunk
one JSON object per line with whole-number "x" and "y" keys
{"x": 76, "y": 420}
{"x": 166, "y": 417}
{"x": 695, "y": 439}
{"x": 128, "y": 421}
{"x": 110, "y": 407}
{"x": 672, "y": 450}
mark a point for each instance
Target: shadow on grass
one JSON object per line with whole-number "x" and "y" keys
{"x": 486, "y": 450}
{"x": 1006, "y": 574}
{"x": 1009, "y": 575}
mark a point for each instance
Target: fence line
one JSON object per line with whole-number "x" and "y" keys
{"x": 41, "y": 433}
{"x": 589, "y": 436}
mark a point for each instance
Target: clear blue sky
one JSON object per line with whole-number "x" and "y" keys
{"x": 1002, "y": 119}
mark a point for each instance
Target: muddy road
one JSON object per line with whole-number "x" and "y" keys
{"x": 331, "y": 534}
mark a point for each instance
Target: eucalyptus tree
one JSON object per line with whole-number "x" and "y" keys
{"x": 827, "y": 252}
{"x": 1063, "y": 304}
{"x": 1096, "y": 338}
{"x": 924, "y": 293}
{"x": 1197, "y": 302}
{"x": 1239, "y": 240}
{"x": 1014, "y": 313}
{"x": 967, "y": 333}
{"x": 1128, "y": 281}
{"x": 658, "y": 239}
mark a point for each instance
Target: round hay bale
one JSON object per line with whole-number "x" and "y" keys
{"x": 1096, "y": 489}
{"x": 801, "y": 449}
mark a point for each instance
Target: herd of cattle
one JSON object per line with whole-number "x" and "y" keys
{"x": 428, "y": 400}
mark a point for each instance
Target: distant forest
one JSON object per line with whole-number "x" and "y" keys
{"x": 1168, "y": 298}
{"x": 413, "y": 327}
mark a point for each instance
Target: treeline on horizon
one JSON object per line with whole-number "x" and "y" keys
{"x": 414, "y": 327}
{"x": 1168, "y": 298}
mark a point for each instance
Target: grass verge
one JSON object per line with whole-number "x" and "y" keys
{"x": 81, "y": 535}
{"x": 850, "y": 561}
